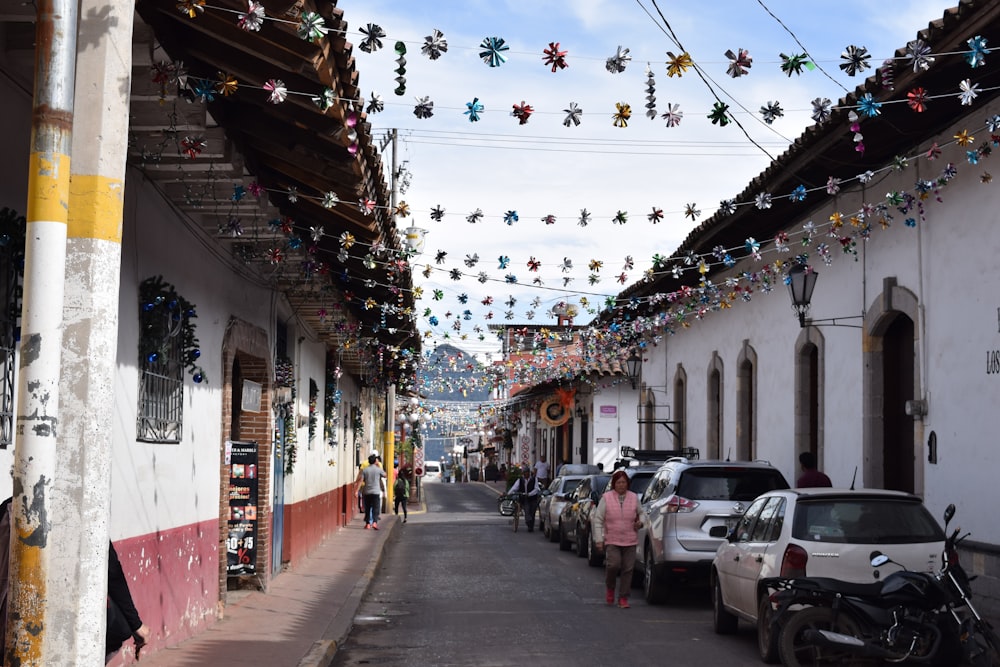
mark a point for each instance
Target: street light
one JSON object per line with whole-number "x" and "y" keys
{"x": 801, "y": 283}
{"x": 632, "y": 367}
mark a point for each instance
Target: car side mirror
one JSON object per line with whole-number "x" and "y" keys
{"x": 718, "y": 532}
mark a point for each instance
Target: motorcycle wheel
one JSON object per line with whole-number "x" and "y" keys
{"x": 796, "y": 652}
{"x": 987, "y": 651}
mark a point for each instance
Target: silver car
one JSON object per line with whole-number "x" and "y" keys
{"x": 552, "y": 503}
{"x": 682, "y": 504}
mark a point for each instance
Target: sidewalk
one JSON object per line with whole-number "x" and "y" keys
{"x": 307, "y": 613}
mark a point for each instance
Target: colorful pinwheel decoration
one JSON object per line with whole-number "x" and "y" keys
{"x": 473, "y": 109}
{"x": 794, "y": 63}
{"x": 253, "y": 19}
{"x": 720, "y": 114}
{"x": 678, "y": 65}
{"x": 522, "y": 112}
{"x": 554, "y": 57}
{"x": 424, "y": 108}
{"x": 623, "y": 111}
{"x": 739, "y": 63}
{"x": 493, "y": 49}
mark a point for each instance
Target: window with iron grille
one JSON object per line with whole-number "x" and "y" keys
{"x": 12, "y": 229}
{"x": 167, "y": 346}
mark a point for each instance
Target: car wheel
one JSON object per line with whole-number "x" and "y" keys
{"x": 594, "y": 557}
{"x": 553, "y": 533}
{"x": 767, "y": 633}
{"x": 654, "y": 587}
{"x": 723, "y": 622}
{"x": 581, "y": 543}
{"x": 564, "y": 544}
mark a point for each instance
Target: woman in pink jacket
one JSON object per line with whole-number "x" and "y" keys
{"x": 615, "y": 523}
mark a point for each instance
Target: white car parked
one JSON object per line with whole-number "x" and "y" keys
{"x": 816, "y": 532}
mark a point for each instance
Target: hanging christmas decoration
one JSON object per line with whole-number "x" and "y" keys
{"x": 424, "y": 108}
{"x": 856, "y": 59}
{"x": 400, "y": 49}
{"x": 573, "y": 114}
{"x": 617, "y": 63}
{"x": 678, "y": 65}
{"x": 650, "y": 94}
{"x": 473, "y": 109}
{"x": 493, "y": 50}
{"x": 522, "y": 112}
{"x": 623, "y": 111}
{"x": 434, "y": 45}
{"x": 373, "y": 35}
{"x": 555, "y": 58}
{"x": 794, "y": 63}
{"x": 739, "y": 63}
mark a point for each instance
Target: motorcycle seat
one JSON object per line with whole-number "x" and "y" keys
{"x": 838, "y": 586}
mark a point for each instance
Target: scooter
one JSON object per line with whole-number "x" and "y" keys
{"x": 918, "y": 617}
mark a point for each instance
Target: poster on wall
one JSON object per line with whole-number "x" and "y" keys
{"x": 241, "y": 545}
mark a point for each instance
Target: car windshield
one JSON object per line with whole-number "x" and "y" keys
{"x": 728, "y": 483}
{"x": 569, "y": 484}
{"x": 864, "y": 521}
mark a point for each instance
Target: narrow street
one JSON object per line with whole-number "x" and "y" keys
{"x": 458, "y": 587}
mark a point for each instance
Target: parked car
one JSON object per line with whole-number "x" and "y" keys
{"x": 574, "y": 520}
{"x": 552, "y": 503}
{"x": 819, "y": 532}
{"x": 681, "y": 505}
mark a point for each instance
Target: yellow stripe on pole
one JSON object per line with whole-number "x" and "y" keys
{"x": 48, "y": 181}
{"x": 96, "y": 208}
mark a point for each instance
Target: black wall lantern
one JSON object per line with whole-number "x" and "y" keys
{"x": 633, "y": 365}
{"x": 801, "y": 283}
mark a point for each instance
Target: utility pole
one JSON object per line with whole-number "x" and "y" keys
{"x": 31, "y": 608}
{"x": 78, "y": 581}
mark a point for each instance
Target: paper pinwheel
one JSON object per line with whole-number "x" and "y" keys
{"x": 312, "y": 27}
{"x": 617, "y": 63}
{"x": 493, "y": 51}
{"x": 771, "y": 111}
{"x": 510, "y": 217}
{"x": 372, "y": 40}
{"x": 434, "y": 45}
{"x": 856, "y": 59}
{"x": 720, "y": 114}
{"x": 473, "y": 109}
{"x": 254, "y": 18}
{"x": 655, "y": 215}
{"x": 919, "y": 55}
{"x": 375, "y": 103}
{"x": 673, "y": 115}
{"x": 622, "y": 114}
{"x": 277, "y": 90}
{"x": 794, "y": 63}
{"x": 573, "y": 114}
{"x": 584, "y": 219}
{"x": 554, "y": 57}
{"x": 739, "y": 63}
{"x": 522, "y": 112}
{"x": 677, "y": 65}
{"x": 976, "y": 57}
{"x": 821, "y": 109}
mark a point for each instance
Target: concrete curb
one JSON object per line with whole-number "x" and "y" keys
{"x": 323, "y": 651}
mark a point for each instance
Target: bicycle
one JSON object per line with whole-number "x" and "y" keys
{"x": 509, "y": 504}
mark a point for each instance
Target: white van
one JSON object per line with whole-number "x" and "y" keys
{"x": 432, "y": 471}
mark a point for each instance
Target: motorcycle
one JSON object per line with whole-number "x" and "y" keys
{"x": 917, "y": 617}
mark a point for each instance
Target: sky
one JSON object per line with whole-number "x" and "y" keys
{"x": 544, "y": 168}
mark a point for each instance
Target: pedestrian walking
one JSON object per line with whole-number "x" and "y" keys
{"x": 400, "y": 496}
{"x": 532, "y": 493}
{"x": 371, "y": 482}
{"x": 615, "y": 524}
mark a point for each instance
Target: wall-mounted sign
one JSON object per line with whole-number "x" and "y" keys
{"x": 602, "y": 440}
{"x": 251, "y": 396}
{"x": 608, "y": 411}
{"x": 241, "y": 544}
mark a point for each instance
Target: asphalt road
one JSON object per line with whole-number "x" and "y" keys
{"x": 458, "y": 587}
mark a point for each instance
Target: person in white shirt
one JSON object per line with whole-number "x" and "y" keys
{"x": 541, "y": 469}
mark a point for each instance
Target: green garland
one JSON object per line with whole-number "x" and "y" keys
{"x": 164, "y": 315}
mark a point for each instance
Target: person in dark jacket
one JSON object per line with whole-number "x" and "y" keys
{"x": 123, "y": 618}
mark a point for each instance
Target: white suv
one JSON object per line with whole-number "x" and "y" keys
{"x": 819, "y": 532}
{"x": 685, "y": 500}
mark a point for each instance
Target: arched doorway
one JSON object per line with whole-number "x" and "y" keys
{"x": 713, "y": 438}
{"x": 809, "y": 402}
{"x": 893, "y": 450}
{"x": 897, "y": 430}
{"x": 746, "y": 404}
